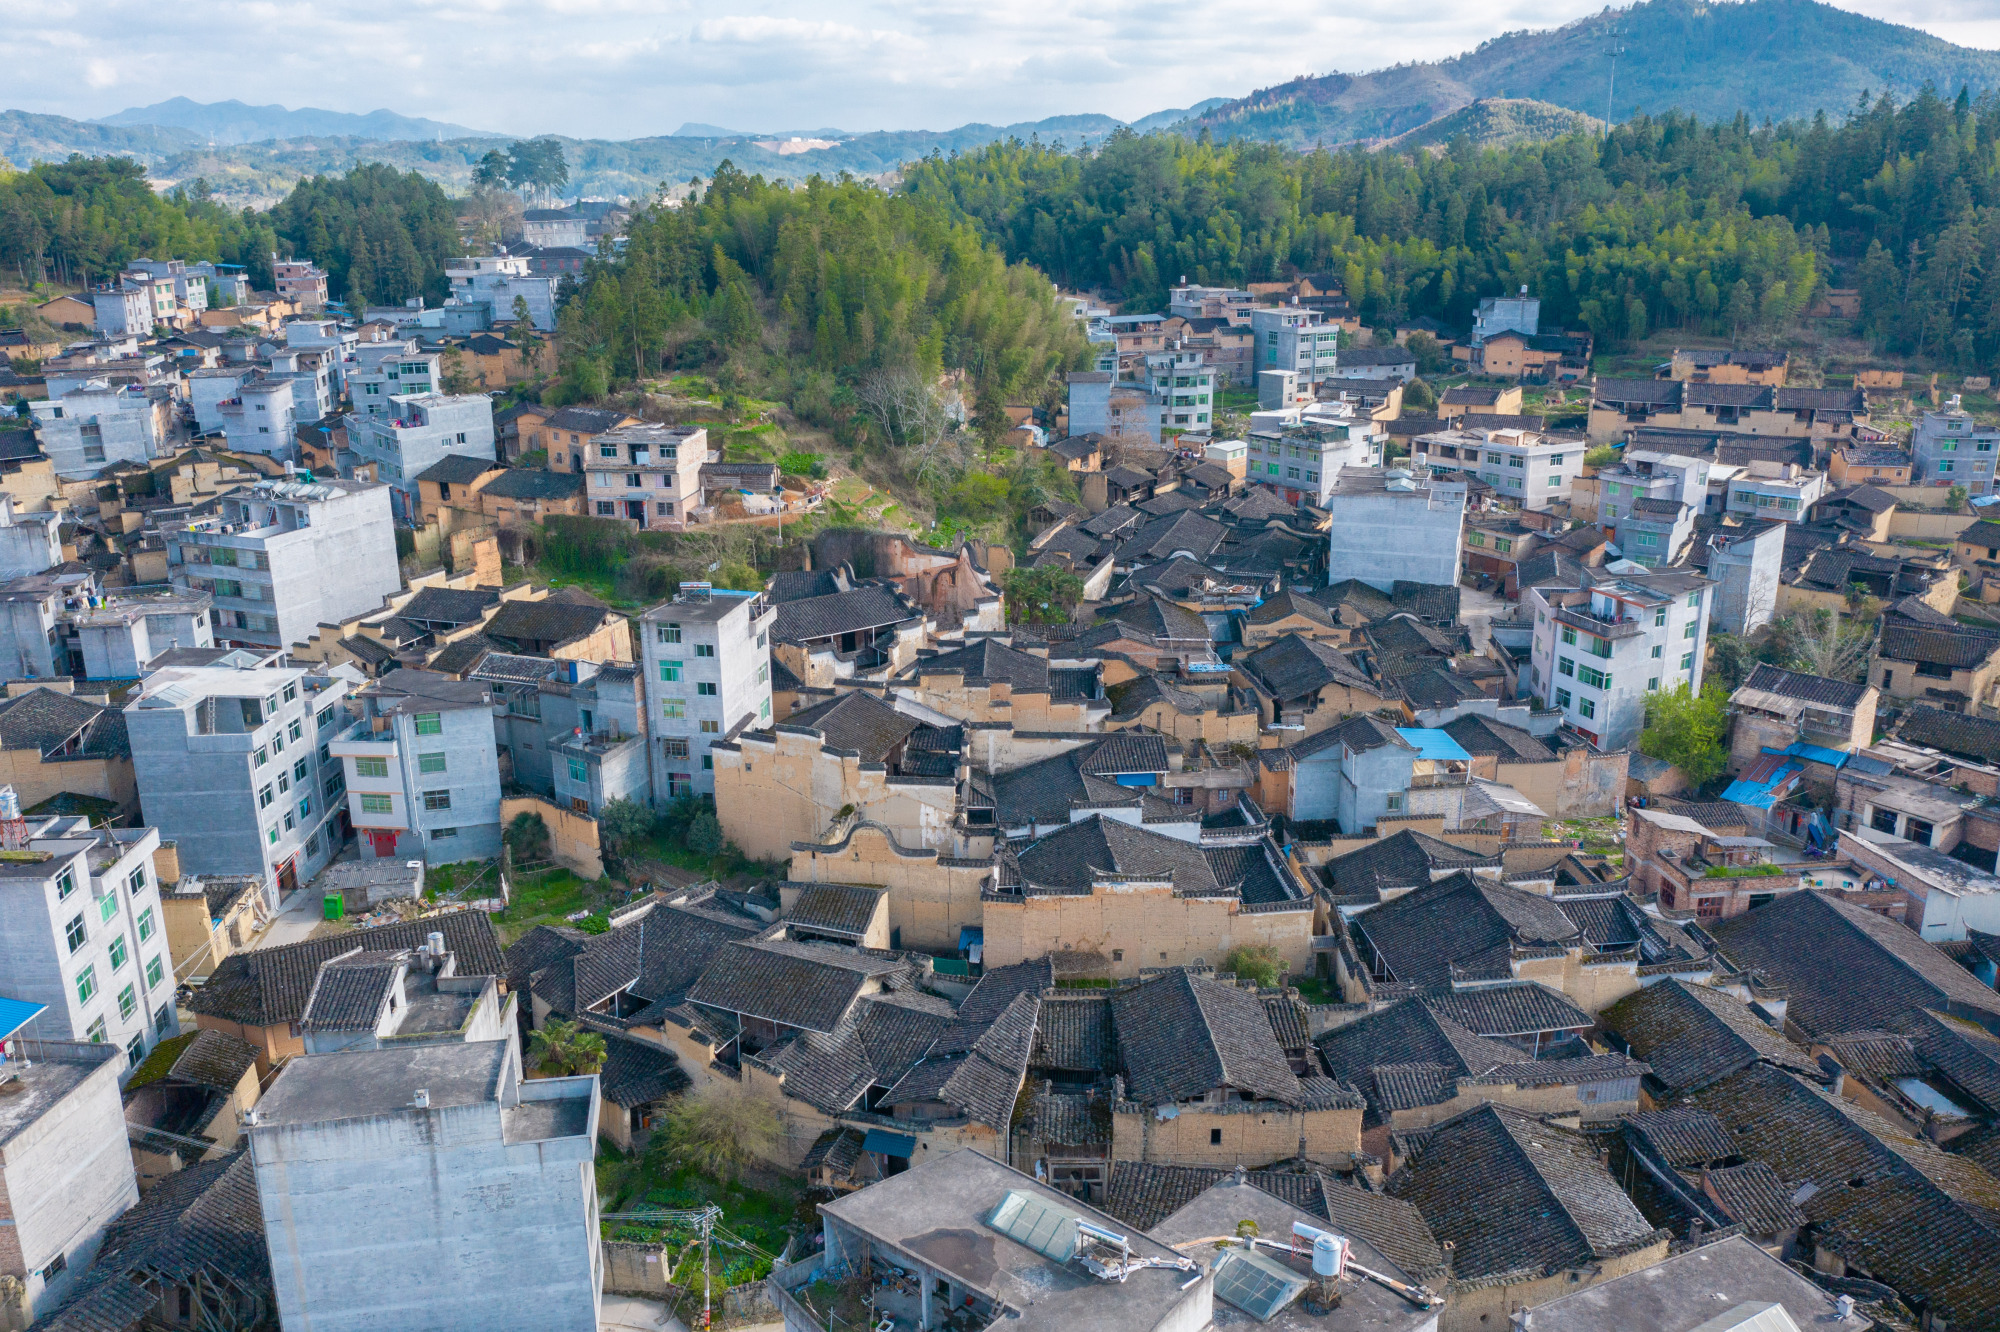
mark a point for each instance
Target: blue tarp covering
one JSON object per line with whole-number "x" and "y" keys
{"x": 1817, "y": 753}
{"x": 1137, "y": 779}
{"x": 1433, "y": 744}
{"x": 1764, "y": 794}
{"x": 16, "y": 1014}
{"x": 889, "y": 1144}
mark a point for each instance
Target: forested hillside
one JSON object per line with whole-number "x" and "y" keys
{"x": 383, "y": 235}
{"x": 1666, "y": 222}
{"x": 848, "y": 279}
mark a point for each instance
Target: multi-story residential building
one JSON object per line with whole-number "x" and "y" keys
{"x": 419, "y": 430}
{"x": 375, "y": 373}
{"x": 422, "y": 773}
{"x": 209, "y": 388}
{"x": 232, "y": 766}
{"x": 1299, "y": 451}
{"x": 190, "y": 283}
{"x": 282, "y": 558}
{"x": 1622, "y": 407}
{"x": 647, "y": 474}
{"x": 1182, "y": 384}
{"x": 1602, "y": 642}
{"x": 575, "y": 730}
{"x": 1193, "y": 302}
{"x": 426, "y": 1185}
{"x": 311, "y": 371}
{"x": 1373, "y": 363}
{"x": 82, "y": 931}
{"x": 29, "y": 542}
{"x": 1657, "y": 495}
{"x": 1497, "y": 314}
{"x": 1747, "y": 564}
{"x": 88, "y": 429}
{"x": 66, "y": 1167}
{"x": 497, "y": 281}
{"x": 230, "y": 281}
{"x": 1294, "y": 338}
{"x": 1390, "y": 526}
{"x": 1950, "y": 448}
{"x": 114, "y": 635}
{"x": 300, "y": 282}
{"x": 707, "y": 660}
{"x": 1529, "y": 468}
{"x": 125, "y": 307}
{"x": 1781, "y": 491}
{"x": 259, "y": 419}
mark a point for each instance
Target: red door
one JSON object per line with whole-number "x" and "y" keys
{"x": 382, "y": 841}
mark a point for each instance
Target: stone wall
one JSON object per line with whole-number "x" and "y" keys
{"x": 1131, "y": 928}
{"x": 1251, "y": 1134}
{"x": 772, "y": 791}
{"x": 572, "y": 836}
{"x": 931, "y": 897}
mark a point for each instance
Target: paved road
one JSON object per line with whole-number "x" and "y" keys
{"x": 1477, "y": 610}
{"x": 629, "y": 1313}
{"x": 297, "y": 915}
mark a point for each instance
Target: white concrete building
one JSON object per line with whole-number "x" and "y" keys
{"x": 282, "y": 558}
{"x": 232, "y": 766}
{"x": 1390, "y": 526}
{"x": 417, "y": 432}
{"x": 1182, "y": 385}
{"x": 423, "y": 772}
{"x": 1782, "y": 492}
{"x": 1288, "y": 337}
{"x": 375, "y": 373}
{"x": 1601, "y": 645}
{"x": 1299, "y": 451}
{"x": 1951, "y": 448}
{"x": 123, "y": 308}
{"x": 1747, "y": 564}
{"x": 427, "y": 1188}
{"x": 65, "y": 1161}
{"x": 190, "y": 283}
{"x": 259, "y": 419}
{"x": 88, "y": 429}
{"x": 209, "y": 388}
{"x": 81, "y": 931}
{"x": 707, "y": 658}
{"x": 497, "y": 280}
{"x": 29, "y": 542}
{"x": 1524, "y": 466}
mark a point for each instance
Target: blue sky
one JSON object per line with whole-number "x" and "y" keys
{"x": 627, "y": 68}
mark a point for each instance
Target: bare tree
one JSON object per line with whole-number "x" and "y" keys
{"x": 910, "y": 410}
{"x": 1828, "y": 644}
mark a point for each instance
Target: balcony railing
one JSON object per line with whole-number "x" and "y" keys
{"x": 1598, "y": 624}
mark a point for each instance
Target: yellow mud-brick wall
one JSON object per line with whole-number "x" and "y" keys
{"x": 1137, "y": 928}
{"x": 1209, "y": 726}
{"x": 1557, "y": 1100}
{"x": 1252, "y": 1136}
{"x": 930, "y": 897}
{"x": 1485, "y": 1308}
{"x": 770, "y": 795}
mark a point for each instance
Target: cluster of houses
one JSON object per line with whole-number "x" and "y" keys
{"x": 1226, "y": 950}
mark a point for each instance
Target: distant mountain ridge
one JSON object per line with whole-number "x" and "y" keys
{"x": 1765, "y": 58}
{"x": 234, "y": 122}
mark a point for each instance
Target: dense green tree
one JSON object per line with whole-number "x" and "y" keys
{"x": 382, "y": 235}
{"x": 1689, "y": 730}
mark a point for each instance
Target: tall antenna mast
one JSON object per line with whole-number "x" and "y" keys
{"x": 1611, "y": 83}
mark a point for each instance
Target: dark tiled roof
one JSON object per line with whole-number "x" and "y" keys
{"x": 1956, "y": 733}
{"x": 1154, "y": 618}
{"x": 458, "y": 469}
{"x": 529, "y": 483}
{"x": 1526, "y": 1008}
{"x": 836, "y": 908}
{"x": 1074, "y": 856}
{"x": 42, "y": 719}
{"x": 1182, "y": 1036}
{"x": 201, "y": 1222}
{"x": 548, "y": 621}
{"x": 1482, "y": 735}
{"x": 452, "y": 606}
{"x": 976, "y": 1067}
{"x": 859, "y": 722}
{"x": 1683, "y": 1137}
{"x": 1074, "y": 1034}
{"x": 869, "y": 606}
{"x": 1071, "y": 1119}
{"x": 1295, "y": 666}
{"x": 350, "y": 993}
{"x": 268, "y": 986}
{"x": 1143, "y": 1195}
{"x": 637, "y": 1072}
{"x": 1461, "y": 921}
{"x": 1562, "y": 1207}
{"x": 837, "y": 1150}
{"x": 542, "y": 946}
{"x": 991, "y": 660}
{"x": 1848, "y": 969}
{"x": 1805, "y": 688}
{"x": 793, "y": 985}
{"x": 585, "y": 420}
{"x": 1399, "y": 861}
{"x": 461, "y": 654}
{"x": 1936, "y": 647}
{"x": 1395, "y": 1228}
{"x": 1753, "y": 1196}
{"x": 1693, "y": 1035}
{"x": 1431, "y": 1050}
{"x": 214, "y": 1059}
{"x": 1657, "y": 392}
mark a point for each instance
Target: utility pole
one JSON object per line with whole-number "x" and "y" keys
{"x": 1610, "y": 84}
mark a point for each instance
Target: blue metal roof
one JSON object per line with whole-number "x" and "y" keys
{"x": 1764, "y": 794}
{"x": 1431, "y": 743}
{"x": 16, "y": 1014}
{"x": 1817, "y": 753}
{"x": 889, "y": 1144}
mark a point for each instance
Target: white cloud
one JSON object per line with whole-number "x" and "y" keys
{"x": 627, "y": 68}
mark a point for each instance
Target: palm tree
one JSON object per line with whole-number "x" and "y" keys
{"x": 560, "y": 1049}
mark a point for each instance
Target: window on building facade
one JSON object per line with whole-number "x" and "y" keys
{"x": 437, "y": 800}
{"x": 378, "y": 804}
{"x": 430, "y": 763}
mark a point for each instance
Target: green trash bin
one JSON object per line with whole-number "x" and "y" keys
{"x": 336, "y": 906}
